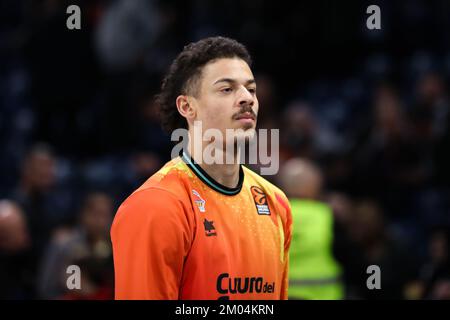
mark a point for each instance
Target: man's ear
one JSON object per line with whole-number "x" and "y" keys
{"x": 185, "y": 107}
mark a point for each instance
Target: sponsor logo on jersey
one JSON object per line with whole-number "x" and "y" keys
{"x": 198, "y": 200}
{"x": 237, "y": 285}
{"x": 260, "y": 199}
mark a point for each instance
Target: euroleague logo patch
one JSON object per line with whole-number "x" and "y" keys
{"x": 260, "y": 199}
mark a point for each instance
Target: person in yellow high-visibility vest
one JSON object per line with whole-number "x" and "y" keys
{"x": 314, "y": 273}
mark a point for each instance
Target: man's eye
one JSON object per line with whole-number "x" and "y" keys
{"x": 252, "y": 90}
{"x": 226, "y": 90}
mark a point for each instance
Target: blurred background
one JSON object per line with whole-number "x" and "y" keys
{"x": 364, "y": 119}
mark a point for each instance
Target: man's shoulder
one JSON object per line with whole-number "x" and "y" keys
{"x": 263, "y": 183}
{"x": 164, "y": 185}
{"x": 162, "y": 197}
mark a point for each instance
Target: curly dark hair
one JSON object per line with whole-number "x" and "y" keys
{"x": 185, "y": 71}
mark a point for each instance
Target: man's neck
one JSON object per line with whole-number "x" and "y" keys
{"x": 223, "y": 173}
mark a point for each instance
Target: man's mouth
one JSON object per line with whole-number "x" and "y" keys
{"x": 246, "y": 116}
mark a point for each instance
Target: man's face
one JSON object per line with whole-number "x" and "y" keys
{"x": 14, "y": 235}
{"x": 40, "y": 171}
{"x": 227, "y": 97}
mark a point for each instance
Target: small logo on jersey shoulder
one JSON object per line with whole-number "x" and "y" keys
{"x": 199, "y": 202}
{"x": 260, "y": 199}
{"x": 209, "y": 228}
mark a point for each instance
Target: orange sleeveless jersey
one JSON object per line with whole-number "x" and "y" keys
{"x": 182, "y": 235}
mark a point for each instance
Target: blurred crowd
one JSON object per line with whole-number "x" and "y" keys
{"x": 79, "y": 129}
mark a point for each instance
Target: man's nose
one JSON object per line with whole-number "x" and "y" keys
{"x": 246, "y": 97}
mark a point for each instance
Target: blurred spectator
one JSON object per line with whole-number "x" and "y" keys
{"x": 346, "y": 250}
{"x": 125, "y": 32}
{"x": 434, "y": 280}
{"x": 88, "y": 246}
{"x": 388, "y": 165}
{"x": 313, "y": 271}
{"x": 16, "y": 273}
{"x": 431, "y": 109}
{"x": 303, "y": 135}
{"x": 269, "y": 117}
{"x": 119, "y": 176}
{"x": 431, "y": 121}
{"x": 397, "y": 262}
{"x": 46, "y": 201}
{"x": 94, "y": 283}
{"x": 148, "y": 132}
{"x": 139, "y": 168}
{"x": 299, "y": 134}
